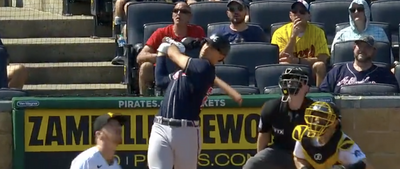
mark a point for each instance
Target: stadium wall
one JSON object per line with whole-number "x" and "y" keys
{"x": 51, "y": 131}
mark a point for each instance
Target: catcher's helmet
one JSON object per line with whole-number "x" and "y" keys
{"x": 319, "y": 116}
{"x": 291, "y": 80}
{"x": 219, "y": 43}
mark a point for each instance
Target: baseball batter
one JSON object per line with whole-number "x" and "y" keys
{"x": 107, "y": 128}
{"x": 175, "y": 136}
{"x": 321, "y": 144}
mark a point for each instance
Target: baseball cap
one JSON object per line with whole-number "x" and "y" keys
{"x": 303, "y": 2}
{"x": 241, "y": 2}
{"x": 102, "y": 120}
{"x": 367, "y": 39}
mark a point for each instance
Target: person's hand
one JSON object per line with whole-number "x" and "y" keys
{"x": 296, "y": 27}
{"x": 163, "y": 48}
{"x": 179, "y": 45}
{"x": 288, "y": 59}
{"x": 237, "y": 98}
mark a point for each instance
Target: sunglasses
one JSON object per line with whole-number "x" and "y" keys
{"x": 359, "y": 9}
{"x": 184, "y": 11}
{"x": 234, "y": 9}
{"x": 299, "y": 11}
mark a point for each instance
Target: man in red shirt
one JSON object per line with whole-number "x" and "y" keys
{"x": 181, "y": 28}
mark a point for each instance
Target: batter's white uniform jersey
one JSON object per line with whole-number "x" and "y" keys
{"x": 92, "y": 159}
{"x": 346, "y": 156}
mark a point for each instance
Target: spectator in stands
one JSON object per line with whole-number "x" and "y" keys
{"x": 181, "y": 28}
{"x": 362, "y": 70}
{"x": 238, "y": 31}
{"x": 359, "y": 14}
{"x": 11, "y": 76}
{"x": 301, "y": 42}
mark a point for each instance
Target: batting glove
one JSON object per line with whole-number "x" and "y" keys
{"x": 163, "y": 48}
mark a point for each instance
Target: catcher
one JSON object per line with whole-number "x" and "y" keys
{"x": 321, "y": 144}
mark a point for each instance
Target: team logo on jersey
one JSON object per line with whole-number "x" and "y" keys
{"x": 353, "y": 80}
{"x": 318, "y": 156}
{"x": 279, "y": 131}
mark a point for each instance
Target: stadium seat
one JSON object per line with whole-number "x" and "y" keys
{"x": 276, "y": 26}
{"x": 277, "y": 90}
{"x": 204, "y": 13}
{"x": 374, "y": 89}
{"x": 386, "y": 11}
{"x": 8, "y": 94}
{"x": 251, "y": 54}
{"x": 138, "y": 15}
{"x": 265, "y": 13}
{"x": 268, "y": 75}
{"x": 397, "y": 73}
{"x": 330, "y": 13}
{"x": 243, "y": 90}
{"x": 368, "y": 1}
{"x": 343, "y": 52}
{"x": 385, "y": 26}
{"x": 233, "y": 74}
{"x": 212, "y": 26}
{"x": 150, "y": 28}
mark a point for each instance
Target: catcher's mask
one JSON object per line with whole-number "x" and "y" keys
{"x": 319, "y": 117}
{"x": 291, "y": 81}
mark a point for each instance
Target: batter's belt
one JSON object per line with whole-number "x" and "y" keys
{"x": 176, "y": 122}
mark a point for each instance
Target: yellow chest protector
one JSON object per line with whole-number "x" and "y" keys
{"x": 322, "y": 157}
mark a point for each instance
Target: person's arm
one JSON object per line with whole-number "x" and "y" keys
{"x": 149, "y": 53}
{"x": 162, "y": 77}
{"x": 321, "y": 50}
{"x": 286, "y": 44}
{"x": 354, "y": 158}
{"x": 329, "y": 82}
{"x": 265, "y": 126}
{"x": 390, "y": 78}
{"x": 299, "y": 157}
{"x": 237, "y": 97}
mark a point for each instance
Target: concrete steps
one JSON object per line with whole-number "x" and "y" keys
{"x": 45, "y": 50}
{"x": 74, "y": 73}
{"x": 29, "y": 23}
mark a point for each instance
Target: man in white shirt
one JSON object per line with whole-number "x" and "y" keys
{"x": 107, "y": 130}
{"x": 321, "y": 144}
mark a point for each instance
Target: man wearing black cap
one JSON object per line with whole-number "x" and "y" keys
{"x": 175, "y": 134}
{"x": 362, "y": 70}
{"x": 278, "y": 119}
{"x": 239, "y": 31}
{"x": 107, "y": 131}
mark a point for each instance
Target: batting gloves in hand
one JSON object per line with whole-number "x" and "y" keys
{"x": 163, "y": 48}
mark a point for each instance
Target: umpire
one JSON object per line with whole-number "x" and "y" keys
{"x": 278, "y": 119}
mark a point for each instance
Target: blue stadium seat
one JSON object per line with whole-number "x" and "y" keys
{"x": 368, "y": 1}
{"x": 265, "y": 13}
{"x": 276, "y": 26}
{"x": 233, "y": 74}
{"x": 267, "y": 76}
{"x": 208, "y": 12}
{"x": 251, "y": 54}
{"x": 330, "y": 13}
{"x": 397, "y": 73}
{"x": 150, "y": 28}
{"x": 375, "y": 89}
{"x": 212, "y": 26}
{"x": 385, "y": 26}
{"x": 138, "y": 15}
{"x": 343, "y": 52}
{"x": 387, "y": 11}
{"x": 277, "y": 90}
{"x": 243, "y": 90}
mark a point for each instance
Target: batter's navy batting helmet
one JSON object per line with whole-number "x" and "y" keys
{"x": 220, "y": 43}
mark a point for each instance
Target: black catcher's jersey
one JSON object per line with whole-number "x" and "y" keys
{"x": 277, "y": 118}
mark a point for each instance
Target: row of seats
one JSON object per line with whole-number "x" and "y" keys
{"x": 267, "y": 78}
{"x": 263, "y": 13}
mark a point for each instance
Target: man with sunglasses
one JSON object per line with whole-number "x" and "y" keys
{"x": 301, "y": 42}
{"x": 359, "y": 19}
{"x": 238, "y": 30}
{"x": 181, "y": 15}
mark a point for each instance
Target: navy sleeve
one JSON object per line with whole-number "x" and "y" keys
{"x": 390, "y": 78}
{"x": 260, "y": 35}
{"x": 162, "y": 77}
{"x": 200, "y": 71}
{"x": 267, "y": 110}
{"x": 328, "y": 84}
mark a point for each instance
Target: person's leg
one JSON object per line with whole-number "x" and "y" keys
{"x": 160, "y": 154}
{"x": 272, "y": 159}
{"x": 119, "y": 8}
{"x": 17, "y": 75}
{"x": 186, "y": 143}
{"x": 319, "y": 69}
{"x": 146, "y": 77}
{"x": 126, "y": 8}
